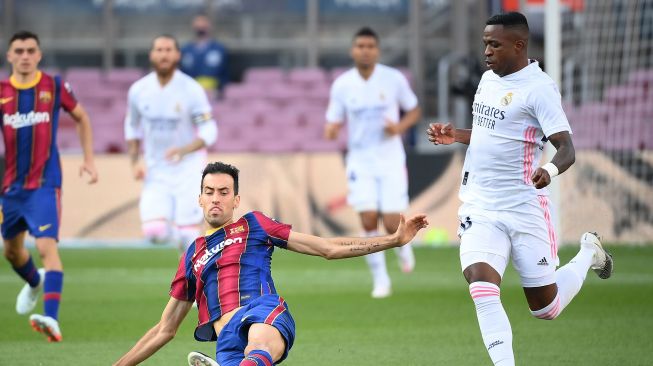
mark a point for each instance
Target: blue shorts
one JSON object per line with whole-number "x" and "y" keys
{"x": 35, "y": 210}
{"x": 267, "y": 309}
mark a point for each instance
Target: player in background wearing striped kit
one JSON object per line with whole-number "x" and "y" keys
{"x": 30, "y": 103}
{"x": 228, "y": 273}
{"x": 506, "y": 212}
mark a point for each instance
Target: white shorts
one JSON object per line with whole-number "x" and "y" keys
{"x": 384, "y": 190}
{"x": 174, "y": 200}
{"x": 525, "y": 234}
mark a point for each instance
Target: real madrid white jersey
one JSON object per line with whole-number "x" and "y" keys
{"x": 512, "y": 116}
{"x": 166, "y": 117}
{"x": 366, "y": 105}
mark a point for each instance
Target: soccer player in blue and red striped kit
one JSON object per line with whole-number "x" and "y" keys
{"x": 228, "y": 273}
{"x": 29, "y": 106}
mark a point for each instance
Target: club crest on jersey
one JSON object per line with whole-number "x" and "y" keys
{"x": 45, "y": 96}
{"x": 506, "y": 99}
{"x": 236, "y": 230}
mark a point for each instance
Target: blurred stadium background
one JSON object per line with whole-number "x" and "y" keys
{"x": 283, "y": 56}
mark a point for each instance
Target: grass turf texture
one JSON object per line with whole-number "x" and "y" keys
{"x": 112, "y": 296}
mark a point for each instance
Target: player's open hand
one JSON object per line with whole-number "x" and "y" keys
{"x": 441, "y": 134}
{"x": 408, "y": 228}
{"x": 138, "y": 170}
{"x": 541, "y": 178}
{"x": 88, "y": 167}
{"x": 391, "y": 128}
{"x": 174, "y": 155}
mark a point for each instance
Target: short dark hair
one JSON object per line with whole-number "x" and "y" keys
{"x": 168, "y": 36}
{"x": 24, "y": 35}
{"x": 367, "y": 32}
{"x": 219, "y": 167}
{"x": 512, "y": 19}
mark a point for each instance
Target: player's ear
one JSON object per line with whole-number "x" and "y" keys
{"x": 237, "y": 201}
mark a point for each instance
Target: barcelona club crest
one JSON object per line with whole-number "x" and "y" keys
{"x": 236, "y": 230}
{"x": 45, "y": 96}
{"x": 506, "y": 99}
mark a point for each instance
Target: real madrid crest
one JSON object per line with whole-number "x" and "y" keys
{"x": 45, "y": 96}
{"x": 506, "y": 99}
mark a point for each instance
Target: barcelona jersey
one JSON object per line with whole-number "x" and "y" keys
{"x": 30, "y": 114}
{"x": 229, "y": 268}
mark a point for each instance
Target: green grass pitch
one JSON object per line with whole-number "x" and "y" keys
{"x": 112, "y": 296}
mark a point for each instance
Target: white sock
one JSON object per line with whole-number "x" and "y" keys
{"x": 494, "y": 323}
{"x": 376, "y": 262}
{"x": 185, "y": 235}
{"x": 569, "y": 279}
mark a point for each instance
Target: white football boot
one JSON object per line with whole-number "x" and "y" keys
{"x": 602, "y": 263}
{"x": 200, "y": 359}
{"x": 28, "y": 296}
{"x": 46, "y": 325}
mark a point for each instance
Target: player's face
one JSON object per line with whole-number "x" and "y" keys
{"x": 501, "y": 51}
{"x": 218, "y": 199}
{"x": 164, "y": 55}
{"x": 24, "y": 56}
{"x": 365, "y": 51}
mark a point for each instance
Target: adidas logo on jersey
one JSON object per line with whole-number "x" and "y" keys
{"x": 543, "y": 262}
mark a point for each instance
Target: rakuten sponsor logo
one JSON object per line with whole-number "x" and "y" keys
{"x": 18, "y": 120}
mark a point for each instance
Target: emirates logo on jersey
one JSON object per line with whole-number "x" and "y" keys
{"x": 506, "y": 99}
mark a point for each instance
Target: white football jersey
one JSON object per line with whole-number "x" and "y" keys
{"x": 366, "y": 105}
{"x": 512, "y": 116}
{"x": 166, "y": 117}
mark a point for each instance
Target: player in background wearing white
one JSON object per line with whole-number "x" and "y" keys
{"x": 369, "y": 97}
{"x": 506, "y": 212}
{"x": 171, "y": 114}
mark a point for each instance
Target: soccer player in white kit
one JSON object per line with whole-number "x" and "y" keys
{"x": 369, "y": 97}
{"x": 506, "y": 212}
{"x": 171, "y": 114}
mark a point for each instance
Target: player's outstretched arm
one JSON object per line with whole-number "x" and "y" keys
{"x": 86, "y": 139}
{"x": 159, "y": 335}
{"x": 446, "y": 134}
{"x": 336, "y": 248}
{"x": 564, "y": 157}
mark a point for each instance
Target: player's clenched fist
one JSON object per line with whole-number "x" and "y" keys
{"x": 441, "y": 134}
{"x": 541, "y": 178}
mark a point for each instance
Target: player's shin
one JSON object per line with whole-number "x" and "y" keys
{"x": 380, "y": 277}
{"x": 257, "y": 357}
{"x": 185, "y": 235}
{"x": 28, "y": 272}
{"x": 52, "y": 287}
{"x": 493, "y": 322}
{"x": 569, "y": 279}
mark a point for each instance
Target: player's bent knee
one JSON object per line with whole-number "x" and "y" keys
{"x": 156, "y": 231}
{"x": 550, "y": 311}
{"x": 266, "y": 338}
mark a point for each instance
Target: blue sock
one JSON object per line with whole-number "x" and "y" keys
{"x": 52, "y": 293}
{"x": 257, "y": 358}
{"x": 29, "y": 273}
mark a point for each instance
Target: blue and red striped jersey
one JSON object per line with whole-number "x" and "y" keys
{"x": 30, "y": 115}
{"x": 229, "y": 268}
